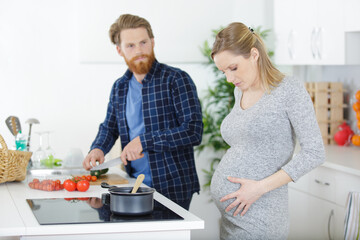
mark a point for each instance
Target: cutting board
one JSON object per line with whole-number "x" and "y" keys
{"x": 111, "y": 179}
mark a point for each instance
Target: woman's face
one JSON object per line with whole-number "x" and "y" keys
{"x": 240, "y": 71}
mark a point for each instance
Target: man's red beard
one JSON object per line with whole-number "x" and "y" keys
{"x": 142, "y": 67}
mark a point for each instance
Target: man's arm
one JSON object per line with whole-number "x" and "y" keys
{"x": 188, "y": 113}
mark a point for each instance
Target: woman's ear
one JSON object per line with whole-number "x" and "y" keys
{"x": 254, "y": 54}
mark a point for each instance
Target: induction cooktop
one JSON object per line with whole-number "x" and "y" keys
{"x": 49, "y": 211}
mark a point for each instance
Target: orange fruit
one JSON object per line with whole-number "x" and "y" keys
{"x": 358, "y": 115}
{"x": 357, "y": 95}
{"x": 356, "y": 106}
{"x": 356, "y": 140}
{"x": 358, "y": 124}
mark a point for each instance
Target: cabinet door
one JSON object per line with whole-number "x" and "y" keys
{"x": 312, "y": 217}
{"x": 309, "y": 32}
{"x": 284, "y": 31}
{"x": 293, "y": 30}
{"x": 329, "y": 41}
{"x": 352, "y": 16}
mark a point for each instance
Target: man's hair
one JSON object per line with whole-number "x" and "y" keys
{"x": 127, "y": 21}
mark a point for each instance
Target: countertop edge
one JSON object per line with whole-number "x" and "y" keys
{"x": 28, "y": 225}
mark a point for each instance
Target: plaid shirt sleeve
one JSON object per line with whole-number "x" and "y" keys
{"x": 187, "y": 131}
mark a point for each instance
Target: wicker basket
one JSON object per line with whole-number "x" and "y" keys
{"x": 13, "y": 163}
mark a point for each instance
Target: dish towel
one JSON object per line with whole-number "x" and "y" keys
{"x": 352, "y": 217}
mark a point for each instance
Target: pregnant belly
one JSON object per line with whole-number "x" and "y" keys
{"x": 242, "y": 165}
{"x": 268, "y": 215}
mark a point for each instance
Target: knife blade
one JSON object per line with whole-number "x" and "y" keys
{"x": 107, "y": 164}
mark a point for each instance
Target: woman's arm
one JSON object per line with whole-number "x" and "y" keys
{"x": 251, "y": 190}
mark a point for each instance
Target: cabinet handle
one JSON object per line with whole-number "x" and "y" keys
{"x": 322, "y": 183}
{"x": 290, "y": 44}
{"x": 319, "y": 42}
{"x": 313, "y": 42}
{"x": 329, "y": 223}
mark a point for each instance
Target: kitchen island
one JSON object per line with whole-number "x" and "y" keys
{"x": 18, "y": 219}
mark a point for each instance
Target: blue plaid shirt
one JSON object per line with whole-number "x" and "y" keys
{"x": 173, "y": 126}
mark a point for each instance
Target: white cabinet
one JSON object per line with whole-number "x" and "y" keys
{"x": 317, "y": 203}
{"x": 352, "y": 16}
{"x": 309, "y": 32}
{"x": 312, "y": 217}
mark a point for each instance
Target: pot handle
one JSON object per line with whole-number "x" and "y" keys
{"x": 106, "y": 185}
{"x": 105, "y": 198}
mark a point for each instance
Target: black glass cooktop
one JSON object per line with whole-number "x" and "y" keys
{"x": 89, "y": 210}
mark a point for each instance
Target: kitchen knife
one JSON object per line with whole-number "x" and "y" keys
{"x": 107, "y": 164}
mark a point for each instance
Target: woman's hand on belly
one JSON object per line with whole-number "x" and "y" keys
{"x": 248, "y": 193}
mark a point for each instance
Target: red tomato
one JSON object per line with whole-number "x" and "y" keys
{"x": 93, "y": 178}
{"x": 88, "y": 177}
{"x": 69, "y": 185}
{"x": 82, "y": 185}
{"x": 49, "y": 187}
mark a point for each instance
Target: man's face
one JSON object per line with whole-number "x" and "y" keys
{"x": 137, "y": 49}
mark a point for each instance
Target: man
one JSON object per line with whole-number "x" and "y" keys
{"x": 155, "y": 110}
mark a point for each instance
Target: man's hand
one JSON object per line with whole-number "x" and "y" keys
{"x": 132, "y": 151}
{"x": 94, "y": 202}
{"x": 95, "y": 155}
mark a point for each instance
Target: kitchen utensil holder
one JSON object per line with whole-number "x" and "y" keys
{"x": 13, "y": 164}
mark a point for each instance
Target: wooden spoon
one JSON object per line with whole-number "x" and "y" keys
{"x": 138, "y": 182}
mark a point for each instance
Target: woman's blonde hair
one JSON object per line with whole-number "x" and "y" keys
{"x": 239, "y": 39}
{"x": 127, "y": 21}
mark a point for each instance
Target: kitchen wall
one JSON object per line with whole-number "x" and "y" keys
{"x": 52, "y": 69}
{"x": 349, "y": 75}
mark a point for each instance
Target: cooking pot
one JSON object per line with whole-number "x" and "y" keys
{"x": 123, "y": 202}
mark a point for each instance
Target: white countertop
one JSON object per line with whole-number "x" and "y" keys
{"x": 18, "y": 220}
{"x": 343, "y": 158}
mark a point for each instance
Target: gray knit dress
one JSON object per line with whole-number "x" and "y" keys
{"x": 262, "y": 140}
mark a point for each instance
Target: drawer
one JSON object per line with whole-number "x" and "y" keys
{"x": 302, "y": 184}
{"x": 320, "y": 182}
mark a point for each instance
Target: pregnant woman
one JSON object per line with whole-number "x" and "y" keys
{"x": 271, "y": 113}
